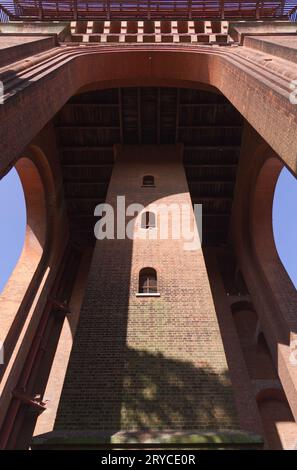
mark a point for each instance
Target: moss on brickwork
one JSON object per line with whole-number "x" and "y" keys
{"x": 235, "y": 438}
{"x": 190, "y": 439}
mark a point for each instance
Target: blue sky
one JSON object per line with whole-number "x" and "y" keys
{"x": 284, "y": 218}
{"x": 13, "y": 223}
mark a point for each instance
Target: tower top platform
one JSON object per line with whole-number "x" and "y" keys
{"x": 57, "y": 10}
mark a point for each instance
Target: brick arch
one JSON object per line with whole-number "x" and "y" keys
{"x": 23, "y": 290}
{"x": 15, "y": 298}
{"x": 261, "y": 213}
{"x": 276, "y": 394}
{"x": 107, "y": 67}
{"x": 256, "y": 353}
{"x": 261, "y": 238}
{"x": 277, "y": 419}
{"x": 266, "y": 278}
{"x": 242, "y": 305}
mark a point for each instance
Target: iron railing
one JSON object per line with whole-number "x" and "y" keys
{"x": 5, "y": 14}
{"x": 145, "y": 9}
{"x": 293, "y": 13}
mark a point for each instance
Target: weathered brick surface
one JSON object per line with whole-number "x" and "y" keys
{"x": 147, "y": 362}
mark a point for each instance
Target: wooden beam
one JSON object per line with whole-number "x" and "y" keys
{"x": 88, "y": 127}
{"x": 177, "y": 114}
{"x": 86, "y": 165}
{"x": 159, "y": 116}
{"x": 85, "y": 148}
{"x": 215, "y": 165}
{"x": 198, "y": 199}
{"x": 139, "y": 124}
{"x": 120, "y": 104}
{"x": 212, "y": 147}
{"x": 88, "y": 182}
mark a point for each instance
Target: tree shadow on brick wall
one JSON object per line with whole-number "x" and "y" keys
{"x": 164, "y": 393}
{"x": 108, "y": 386}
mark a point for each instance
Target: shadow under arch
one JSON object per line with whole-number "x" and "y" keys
{"x": 242, "y": 305}
{"x": 252, "y": 340}
{"x": 277, "y": 419}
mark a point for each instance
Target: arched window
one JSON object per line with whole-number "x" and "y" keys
{"x": 148, "y": 281}
{"x": 148, "y": 180}
{"x": 148, "y": 220}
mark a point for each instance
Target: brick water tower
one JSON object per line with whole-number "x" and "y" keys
{"x": 130, "y": 120}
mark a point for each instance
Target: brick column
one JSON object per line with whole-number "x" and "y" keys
{"x": 154, "y": 363}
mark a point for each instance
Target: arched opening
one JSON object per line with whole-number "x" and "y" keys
{"x": 284, "y": 219}
{"x": 148, "y": 180}
{"x": 272, "y": 275}
{"x": 267, "y": 279}
{"x": 264, "y": 365}
{"x": 15, "y": 299}
{"x": 254, "y": 348}
{"x": 278, "y": 422}
{"x": 43, "y": 280}
{"x": 148, "y": 281}
{"x": 232, "y": 277}
{"x": 148, "y": 220}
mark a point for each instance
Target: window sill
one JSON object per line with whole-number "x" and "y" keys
{"x": 149, "y": 294}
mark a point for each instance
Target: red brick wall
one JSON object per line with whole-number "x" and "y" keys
{"x": 153, "y": 362}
